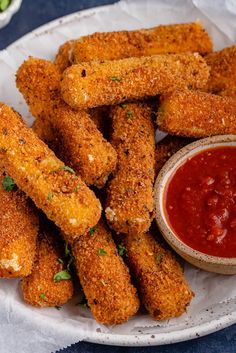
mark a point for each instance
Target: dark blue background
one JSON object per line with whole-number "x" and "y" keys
{"x": 32, "y": 14}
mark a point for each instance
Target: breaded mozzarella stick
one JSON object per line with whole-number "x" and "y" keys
{"x": 88, "y": 85}
{"x": 197, "y": 114}
{"x": 167, "y": 39}
{"x": 80, "y": 144}
{"x": 49, "y": 283}
{"x": 104, "y": 277}
{"x": 160, "y": 280}
{"x": 18, "y": 230}
{"x": 223, "y": 70}
{"x": 54, "y": 187}
{"x": 129, "y": 204}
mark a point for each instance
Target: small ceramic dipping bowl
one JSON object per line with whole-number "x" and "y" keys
{"x": 6, "y": 15}
{"x": 204, "y": 261}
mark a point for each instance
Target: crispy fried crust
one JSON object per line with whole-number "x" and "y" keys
{"x": 231, "y": 92}
{"x": 88, "y": 85}
{"x": 160, "y": 280}
{"x": 104, "y": 277}
{"x": 39, "y": 288}
{"x": 129, "y": 204}
{"x": 223, "y": 70}
{"x": 80, "y": 144}
{"x": 166, "y": 148}
{"x": 197, "y": 114}
{"x": 178, "y": 38}
{"x": 63, "y": 196}
{"x": 44, "y": 130}
{"x": 64, "y": 56}
{"x": 18, "y": 232}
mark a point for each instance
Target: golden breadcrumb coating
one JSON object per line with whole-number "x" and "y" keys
{"x": 88, "y": 85}
{"x": 39, "y": 288}
{"x": 196, "y": 114}
{"x": 44, "y": 130}
{"x": 129, "y": 204}
{"x": 80, "y": 144}
{"x": 18, "y": 231}
{"x": 104, "y": 277}
{"x": 167, "y": 39}
{"x": 166, "y": 148}
{"x": 231, "y": 92}
{"x": 223, "y": 70}
{"x": 160, "y": 280}
{"x": 64, "y": 56}
{"x": 54, "y": 188}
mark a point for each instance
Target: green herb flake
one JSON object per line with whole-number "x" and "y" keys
{"x": 123, "y": 106}
{"x": 67, "y": 250}
{"x": 50, "y": 196}
{"x": 159, "y": 258}
{"x": 122, "y": 250}
{"x": 60, "y": 260}
{"x": 116, "y": 79}
{"x": 92, "y": 231}
{"x": 4, "y": 4}
{"x": 70, "y": 262}
{"x": 42, "y": 296}
{"x": 63, "y": 275}
{"x": 129, "y": 114}
{"x": 58, "y": 307}
{"x": 101, "y": 252}
{"x": 77, "y": 188}
{"x": 8, "y": 183}
{"x": 68, "y": 169}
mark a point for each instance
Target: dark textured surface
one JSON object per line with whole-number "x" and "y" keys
{"x": 34, "y": 13}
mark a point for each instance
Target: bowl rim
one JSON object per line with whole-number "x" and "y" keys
{"x": 168, "y": 169}
{"x": 11, "y": 9}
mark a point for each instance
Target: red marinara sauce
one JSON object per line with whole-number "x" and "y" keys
{"x": 200, "y": 202}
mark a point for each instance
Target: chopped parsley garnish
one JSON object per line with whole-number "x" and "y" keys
{"x": 58, "y": 307}
{"x": 67, "y": 250}
{"x": 116, "y": 79}
{"x": 42, "y": 296}
{"x": 70, "y": 262}
{"x": 4, "y": 4}
{"x": 123, "y": 106}
{"x": 129, "y": 114}
{"x": 63, "y": 275}
{"x": 68, "y": 169}
{"x": 8, "y": 183}
{"x": 159, "y": 258}
{"x": 50, "y": 196}
{"x": 101, "y": 252}
{"x": 92, "y": 231}
{"x": 77, "y": 188}
{"x": 83, "y": 302}
{"x": 60, "y": 260}
{"x": 122, "y": 250}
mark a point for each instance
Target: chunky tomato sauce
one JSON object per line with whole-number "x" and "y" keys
{"x": 200, "y": 202}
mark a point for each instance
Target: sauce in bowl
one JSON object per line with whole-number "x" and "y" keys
{"x": 200, "y": 202}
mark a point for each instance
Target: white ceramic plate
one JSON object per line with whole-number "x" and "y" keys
{"x": 214, "y": 306}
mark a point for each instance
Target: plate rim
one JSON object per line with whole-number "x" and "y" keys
{"x": 134, "y": 340}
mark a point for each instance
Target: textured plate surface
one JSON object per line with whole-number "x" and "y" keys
{"x": 44, "y": 42}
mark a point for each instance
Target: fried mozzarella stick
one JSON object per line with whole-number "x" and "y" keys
{"x": 49, "y": 283}
{"x": 88, "y": 85}
{"x": 18, "y": 230}
{"x": 129, "y": 204}
{"x": 159, "y": 278}
{"x": 80, "y": 144}
{"x": 64, "y": 56}
{"x": 197, "y": 114}
{"x": 167, "y": 39}
{"x": 104, "y": 277}
{"x": 54, "y": 187}
{"x": 223, "y": 70}
{"x": 166, "y": 148}
{"x": 44, "y": 130}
